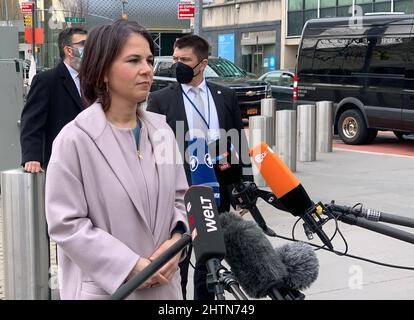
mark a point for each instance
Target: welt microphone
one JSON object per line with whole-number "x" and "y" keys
{"x": 208, "y": 242}
{"x": 287, "y": 189}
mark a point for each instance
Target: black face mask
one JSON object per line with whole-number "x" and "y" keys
{"x": 183, "y": 73}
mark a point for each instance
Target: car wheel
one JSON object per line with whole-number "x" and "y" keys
{"x": 352, "y": 128}
{"x": 400, "y": 135}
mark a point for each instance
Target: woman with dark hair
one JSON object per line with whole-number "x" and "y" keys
{"x": 114, "y": 192}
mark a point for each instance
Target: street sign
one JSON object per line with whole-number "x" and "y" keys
{"x": 26, "y": 7}
{"x": 186, "y": 11}
{"x": 75, "y": 20}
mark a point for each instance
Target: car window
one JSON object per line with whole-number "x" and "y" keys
{"x": 273, "y": 78}
{"x": 164, "y": 69}
{"x": 286, "y": 80}
{"x": 223, "y": 68}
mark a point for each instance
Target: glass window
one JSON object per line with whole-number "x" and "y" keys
{"x": 363, "y": 1}
{"x": 311, "y": 4}
{"x": 344, "y": 3}
{"x": 344, "y": 11}
{"x": 403, "y": 6}
{"x": 273, "y": 78}
{"x": 295, "y": 23}
{"x": 327, "y": 12}
{"x": 286, "y": 80}
{"x": 310, "y": 14}
{"x": 306, "y": 55}
{"x": 388, "y": 55}
{"x": 340, "y": 56}
{"x": 365, "y": 8}
{"x": 328, "y": 3}
{"x": 382, "y": 7}
{"x": 224, "y": 68}
{"x": 295, "y": 5}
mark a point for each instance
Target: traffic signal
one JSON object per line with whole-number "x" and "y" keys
{"x": 27, "y": 20}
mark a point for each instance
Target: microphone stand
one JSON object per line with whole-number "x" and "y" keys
{"x": 127, "y": 288}
{"x": 230, "y": 284}
{"x": 219, "y": 278}
{"x": 245, "y": 195}
{"x": 343, "y": 214}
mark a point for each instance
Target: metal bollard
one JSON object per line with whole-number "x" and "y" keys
{"x": 286, "y": 137}
{"x": 324, "y": 126}
{"x": 258, "y": 125}
{"x": 306, "y": 132}
{"x": 25, "y": 239}
{"x": 268, "y": 109}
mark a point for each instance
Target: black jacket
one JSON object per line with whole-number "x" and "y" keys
{"x": 52, "y": 102}
{"x": 169, "y": 102}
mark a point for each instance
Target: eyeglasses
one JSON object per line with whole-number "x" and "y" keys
{"x": 81, "y": 43}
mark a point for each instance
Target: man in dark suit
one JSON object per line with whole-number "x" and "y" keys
{"x": 53, "y": 101}
{"x": 193, "y": 104}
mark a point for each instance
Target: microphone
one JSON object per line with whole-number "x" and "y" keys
{"x": 229, "y": 173}
{"x": 201, "y": 167}
{"x": 208, "y": 241}
{"x": 252, "y": 258}
{"x": 301, "y": 263}
{"x": 288, "y": 190}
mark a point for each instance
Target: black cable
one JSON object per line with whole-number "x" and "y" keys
{"x": 345, "y": 254}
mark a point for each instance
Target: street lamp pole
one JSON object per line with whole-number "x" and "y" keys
{"x": 34, "y": 21}
{"x": 124, "y": 16}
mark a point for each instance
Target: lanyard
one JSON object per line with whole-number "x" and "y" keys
{"x": 195, "y": 107}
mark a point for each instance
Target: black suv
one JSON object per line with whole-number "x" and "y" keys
{"x": 249, "y": 90}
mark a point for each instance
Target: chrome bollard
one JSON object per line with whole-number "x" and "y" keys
{"x": 286, "y": 137}
{"x": 324, "y": 126}
{"x": 306, "y": 132}
{"x": 268, "y": 109}
{"x": 258, "y": 131}
{"x": 25, "y": 240}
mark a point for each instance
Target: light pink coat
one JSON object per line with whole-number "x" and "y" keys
{"x": 94, "y": 211}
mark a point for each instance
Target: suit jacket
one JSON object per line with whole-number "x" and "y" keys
{"x": 169, "y": 102}
{"x": 93, "y": 206}
{"x": 52, "y": 102}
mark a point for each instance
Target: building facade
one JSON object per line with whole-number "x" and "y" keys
{"x": 244, "y": 31}
{"x": 295, "y": 13}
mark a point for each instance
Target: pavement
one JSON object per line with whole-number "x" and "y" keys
{"x": 379, "y": 181}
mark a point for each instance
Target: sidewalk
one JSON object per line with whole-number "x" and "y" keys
{"x": 380, "y": 182}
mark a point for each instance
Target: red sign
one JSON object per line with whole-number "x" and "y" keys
{"x": 39, "y": 34}
{"x": 186, "y": 11}
{"x": 26, "y": 7}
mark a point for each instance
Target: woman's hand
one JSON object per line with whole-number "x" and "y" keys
{"x": 156, "y": 279}
{"x": 171, "y": 267}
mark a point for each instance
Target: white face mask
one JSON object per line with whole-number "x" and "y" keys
{"x": 76, "y": 59}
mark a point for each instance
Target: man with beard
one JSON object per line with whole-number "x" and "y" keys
{"x": 54, "y": 100}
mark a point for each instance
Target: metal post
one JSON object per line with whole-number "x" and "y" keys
{"x": 258, "y": 132}
{"x": 34, "y": 21}
{"x": 286, "y": 137}
{"x": 324, "y": 126}
{"x": 198, "y": 16}
{"x": 25, "y": 240}
{"x": 268, "y": 109}
{"x": 306, "y": 132}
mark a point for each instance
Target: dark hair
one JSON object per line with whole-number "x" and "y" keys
{"x": 65, "y": 39}
{"x": 102, "y": 47}
{"x": 199, "y": 45}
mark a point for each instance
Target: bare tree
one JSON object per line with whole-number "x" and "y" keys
{"x": 76, "y": 8}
